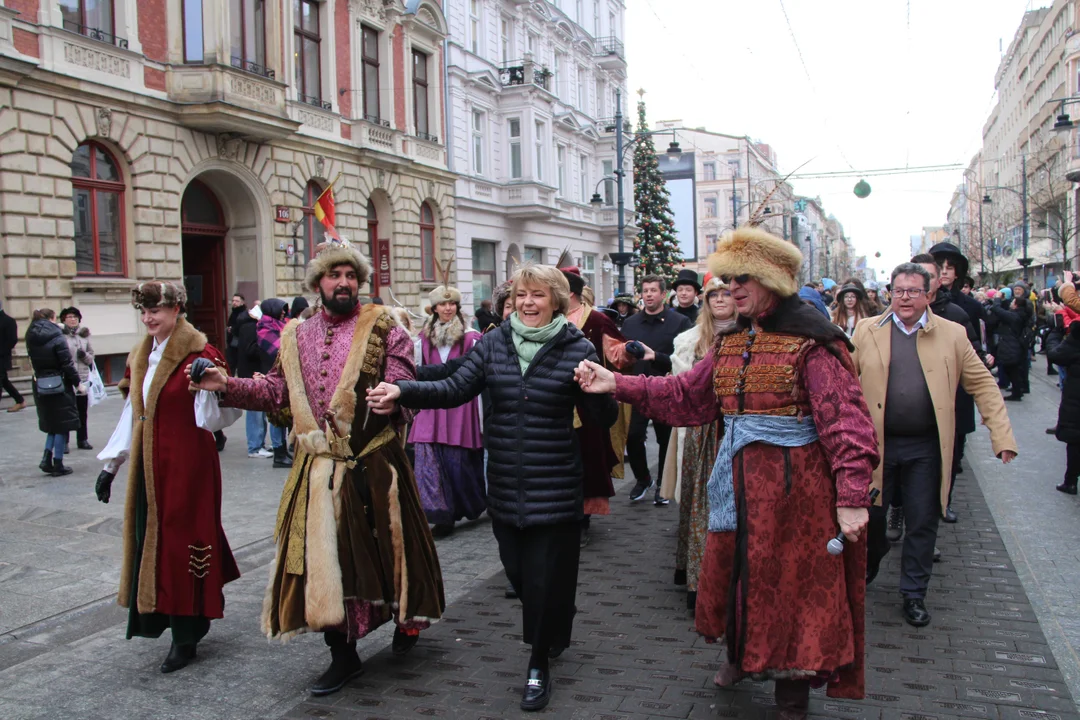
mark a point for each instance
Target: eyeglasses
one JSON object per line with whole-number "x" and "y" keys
{"x": 908, "y": 292}
{"x": 741, "y": 279}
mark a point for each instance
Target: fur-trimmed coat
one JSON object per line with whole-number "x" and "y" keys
{"x": 185, "y": 560}
{"x": 82, "y": 352}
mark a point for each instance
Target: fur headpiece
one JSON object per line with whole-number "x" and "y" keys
{"x": 714, "y": 284}
{"x": 159, "y": 293}
{"x": 500, "y": 296}
{"x": 773, "y": 262}
{"x": 330, "y": 255}
{"x": 444, "y": 293}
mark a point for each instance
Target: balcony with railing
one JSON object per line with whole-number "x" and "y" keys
{"x": 525, "y": 72}
{"x": 610, "y": 53}
{"x": 96, "y": 34}
{"x": 249, "y": 66}
{"x": 231, "y": 99}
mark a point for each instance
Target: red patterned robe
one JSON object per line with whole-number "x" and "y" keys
{"x": 786, "y": 607}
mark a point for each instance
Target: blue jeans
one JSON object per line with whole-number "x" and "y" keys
{"x": 277, "y": 436}
{"x": 256, "y": 430}
{"x": 55, "y": 444}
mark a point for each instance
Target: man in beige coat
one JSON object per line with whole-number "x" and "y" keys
{"x": 910, "y": 363}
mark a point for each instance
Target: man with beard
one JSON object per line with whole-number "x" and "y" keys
{"x": 353, "y": 546}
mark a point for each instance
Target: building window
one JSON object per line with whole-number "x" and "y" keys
{"x": 560, "y": 156}
{"x": 514, "y": 132}
{"x": 98, "y": 200}
{"x": 247, "y": 21}
{"x": 532, "y": 255}
{"x": 710, "y": 243}
{"x": 733, "y": 168}
{"x": 533, "y": 43}
{"x": 373, "y": 245}
{"x": 596, "y": 18}
{"x": 539, "y": 173}
{"x": 582, "y": 99}
{"x": 710, "y": 207}
{"x": 478, "y": 142}
{"x": 193, "y": 31}
{"x": 369, "y": 60}
{"x": 710, "y": 171}
{"x": 483, "y": 271}
{"x": 588, "y": 270}
{"x": 580, "y": 15}
{"x": 611, "y": 25}
{"x": 609, "y": 182}
{"x": 506, "y": 39}
{"x": 599, "y": 98}
{"x": 308, "y": 77}
{"x": 583, "y": 174}
{"x": 474, "y": 26}
{"x": 314, "y": 232}
{"x": 420, "y": 94}
{"x": 427, "y": 243}
{"x": 86, "y": 16}
{"x": 557, "y": 74}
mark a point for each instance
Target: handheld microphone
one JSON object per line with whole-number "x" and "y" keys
{"x": 836, "y": 545}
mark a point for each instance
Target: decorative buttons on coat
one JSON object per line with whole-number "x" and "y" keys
{"x": 326, "y": 356}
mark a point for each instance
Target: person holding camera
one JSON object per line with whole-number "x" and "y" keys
{"x": 55, "y": 383}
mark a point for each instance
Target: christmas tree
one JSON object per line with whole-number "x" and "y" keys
{"x": 656, "y": 245}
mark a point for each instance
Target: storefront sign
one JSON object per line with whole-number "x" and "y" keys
{"x": 282, "y": 213}
{"x": 383, "y": 261}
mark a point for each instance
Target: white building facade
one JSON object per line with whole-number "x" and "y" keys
{"x": 531, "y": 134}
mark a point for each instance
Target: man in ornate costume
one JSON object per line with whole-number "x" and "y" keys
{"x": 794, "y": 467}
{"x": 448, "y": 441}
{"x": 353, "y": 546}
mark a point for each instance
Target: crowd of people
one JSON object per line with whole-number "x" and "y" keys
{"x": 814, "y": 427}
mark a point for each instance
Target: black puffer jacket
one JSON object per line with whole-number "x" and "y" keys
{"x": 1009, "y": 329}
{"x": 1067, "y": 355}
{"x": 50, "y": 356}
{"x": 534, "y": 466}
{"x": 247, "y": 353}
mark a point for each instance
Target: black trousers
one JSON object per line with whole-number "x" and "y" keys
{"x": 83, "y": 403}
{"x": 6, "y": 386}
{"x": 541, "y": 563}
{"x": 1015, "y": 377}
{"x": 635, "y": 445}
{"x": 911, "y": 465}
{"x": 959, "y": 443}
{"x": 1072, "y": 461}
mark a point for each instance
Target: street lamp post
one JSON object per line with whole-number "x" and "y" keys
{"x": 1024, "y": 261}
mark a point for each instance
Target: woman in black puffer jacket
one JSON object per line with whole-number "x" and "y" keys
{"x": 1010, "y": 347}
{"x": 57, "y": 412}
{"x": 1066, "y": 355}
{"x": 534, "y": 464}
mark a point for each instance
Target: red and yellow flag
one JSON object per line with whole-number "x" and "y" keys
{"x": 324, "y": 211}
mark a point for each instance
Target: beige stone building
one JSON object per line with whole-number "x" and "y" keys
{"x": 149, "y": 142}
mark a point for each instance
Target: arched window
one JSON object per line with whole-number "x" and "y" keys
{"x": 313, "y": 230}
{"x": 97, "y": 191}
{"x": 373, "y": 245}
{"x": 427, "y": 243}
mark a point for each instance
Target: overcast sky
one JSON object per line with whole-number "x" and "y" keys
{"x": 887, "y": 83}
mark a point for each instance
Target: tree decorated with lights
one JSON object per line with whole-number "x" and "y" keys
{"x": 656, "y": 245}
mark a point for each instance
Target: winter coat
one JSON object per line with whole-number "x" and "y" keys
{"x": 534, "y": 468}
{"x": 82, "y": 352}
{"x": 1009, "y": 328}
{"x": 49, "y": 356}
{"x": 657, "y": 332}
{"x": 235, "y": 315}
{"x": 1066, "y": 354}
{"x": 9, "y": 337}
{"x": 248, "y": 360}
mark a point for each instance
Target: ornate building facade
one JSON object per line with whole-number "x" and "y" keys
{"x": 183, "y": 139}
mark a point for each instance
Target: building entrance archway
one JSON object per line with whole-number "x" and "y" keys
{"x": 203, "y": 254}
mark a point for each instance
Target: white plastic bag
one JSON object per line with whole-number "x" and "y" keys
{"x": 97, "y": 387}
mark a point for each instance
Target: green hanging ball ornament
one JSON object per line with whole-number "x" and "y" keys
{"x": 862, "y": 189}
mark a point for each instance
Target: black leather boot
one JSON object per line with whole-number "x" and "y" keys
{"x": 344, "y": 666}
{"x": 403, "y": 642}
{"x": 46, "y": 462}
{"x": 281, "y": 458}
{"x": 179, "y": 656}
{"x": 58, "y": 469}
{"x": 1068, "y": 487}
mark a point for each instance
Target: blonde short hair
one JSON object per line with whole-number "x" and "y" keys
{"x": 544, "y": 276}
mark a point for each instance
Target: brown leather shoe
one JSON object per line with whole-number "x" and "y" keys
{"x": 792, "y": 699}
{"x": 17, "y": 407}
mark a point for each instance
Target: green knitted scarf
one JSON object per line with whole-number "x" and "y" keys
{"x": 529, "y": 340}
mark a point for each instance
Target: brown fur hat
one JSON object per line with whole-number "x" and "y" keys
{"x": 331, "y": 255}
{"x": 773, "y": 262}
{"x": 159, "y": 293}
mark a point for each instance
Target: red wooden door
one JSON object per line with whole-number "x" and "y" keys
{"x": 204, "y": 278}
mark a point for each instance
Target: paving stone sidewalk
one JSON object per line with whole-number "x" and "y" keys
{"x": 635, "y": 653}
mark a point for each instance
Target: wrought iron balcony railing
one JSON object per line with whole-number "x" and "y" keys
{"x": 317, "y": 102}
{"x": 515, "y": 75}
{"x": 428, "y": 136}
{"x": 376, "y": 120}
{"x": 95, "y": 34}
{"x": 252, "y": 67}
{"x": 610, "y": 45}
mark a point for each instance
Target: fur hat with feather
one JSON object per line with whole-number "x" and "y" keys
{"x": 444, "y": 293}
{"x": 330, "y": 255}
{"x": 773, "y": 262}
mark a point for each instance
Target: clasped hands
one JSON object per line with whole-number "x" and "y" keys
{"x": 382, "y": 399}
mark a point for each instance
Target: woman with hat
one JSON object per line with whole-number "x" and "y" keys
{"x": 55, "y": 383}
{"x": 624, "y": 306}
{"x": 850, "y": 308}
{"x": 448, "y": 442}
{"x": 793, "y": 469}
{"x": 687, "y": 288}
{"x": 78, "y": 340}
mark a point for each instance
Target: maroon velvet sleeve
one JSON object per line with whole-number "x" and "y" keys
{"x": 263, "y": 394}
{"x": 843, "y": 424}
{"x": 684, "y": 400}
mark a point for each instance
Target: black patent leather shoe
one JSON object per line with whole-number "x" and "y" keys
{"x": 950, "y": 516}
{"x": 537, "y": 691}
{"x": 555, "y": 652}
{"x": 179, "y": 656}
{"x": 915, "y": 613}
{"x": 340, "y": 672}
{"x": 403, "y": 642}
{"x": 84, "y": 445}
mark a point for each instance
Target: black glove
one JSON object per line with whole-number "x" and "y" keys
{"x": 81, "y": 354}
{"x": 103, "y": 486}
{"x": 198, "y": 368}
{"x": 635, "y": 349}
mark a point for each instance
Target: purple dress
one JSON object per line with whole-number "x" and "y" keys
{"x": 449, "y": 450}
